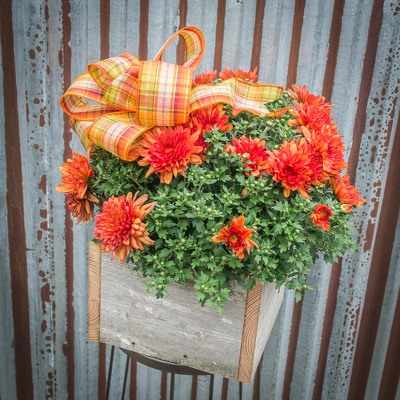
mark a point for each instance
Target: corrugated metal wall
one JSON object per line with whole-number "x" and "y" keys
{"x": 343, "y": 340}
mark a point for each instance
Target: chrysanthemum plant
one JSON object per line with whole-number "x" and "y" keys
{"x": 223, "y": 197}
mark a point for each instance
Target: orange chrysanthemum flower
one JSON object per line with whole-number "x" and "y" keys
{"x": 204, "y": 78}
{"x": 236, "y": 236}
{"x": 257, "y": 154}
{"x": 312, "y": 117}
{"x": 81, "y": 208}
{"x": 302, "y": 95}
{"x": 346, "y": 193}
{"x": 246, "y": 75}
{"x": 329, "y": 146}
{"x": 75, "y": 175}
{"x": 205, "y": 119}
{"x": 169, "y": 151}
{"x": 321, "y": 216}
{"x": 291, "y": 165}
{"x": 120, "y": 227}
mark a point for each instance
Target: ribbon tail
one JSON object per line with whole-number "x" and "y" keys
{"x": 81, "y": 128}
{"x": 239, "y": 94}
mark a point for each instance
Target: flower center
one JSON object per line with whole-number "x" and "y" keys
{"x": 233, "y": 239}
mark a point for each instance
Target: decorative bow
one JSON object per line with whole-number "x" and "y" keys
{"x": 128, "y": 97}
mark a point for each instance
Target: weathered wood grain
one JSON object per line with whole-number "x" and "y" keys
{"x": 94, "y": 263}
{"x": 135, "y": 320}
{"x": 228, "y": 344}
{"x": 269, "y": 307}
{"x": 249, "y": 336}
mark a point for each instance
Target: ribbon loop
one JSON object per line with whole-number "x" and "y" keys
{"x": 164, "y": 94}
{"x": 120, "y": 98}
{"x": 194, "y": 44}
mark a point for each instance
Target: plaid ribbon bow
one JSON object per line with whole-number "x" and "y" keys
{"x": 128, "y": 97}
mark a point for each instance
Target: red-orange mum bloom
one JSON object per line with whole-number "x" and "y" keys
{"x": 257, "y": 158}
{"x": 328, "y": 144}
{"x": 205, "y": 119}
{"x": 120, "y": 227}
{"x": 314, "y": 118}
{"x": 236, "y": 236}
{"x": 169, "y": 151}
{"x": 81, "y": 208}
{"x": 346, "y": 193}
{"x": 204, "y": 78}
{"x": 321, "y": 216}
{"x": 75, "y": 174}
{"x": 302, "y": 95}
{"x": 291, "y": 165}
{"x": 246, "y": 75}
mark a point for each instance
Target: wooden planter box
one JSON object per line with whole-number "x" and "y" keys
{"x": 176, "y": 328}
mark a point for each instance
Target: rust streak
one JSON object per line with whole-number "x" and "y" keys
{"x": 294, "y": 335}
{"x": 193, "y": 394}
{"x": 225, "y": 384}
{"x": 42, "y": 185}
{"x": 45, "y": 296}
{"x": 15, "y": 211}
{"x": 380, "y": 264}
{"x": 257, "y": 36}
{"x": 133, "y": 383}
{"x": 143, "y": 29}
{"x": 219, "y": 34}
{"x": 163, "y": 389}
{"x": 334, "y": 40}
{"x": 295, "y": 44}
{"x": 66, "y": 63}
{"x": 180, "y": 50}
{"x": 105, "y": 28}
{"x": 102, "y": 372}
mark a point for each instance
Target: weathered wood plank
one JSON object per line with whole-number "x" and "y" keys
{"x": 94, "y": 263}
{"x": 228, "y": 344}
{"x": 135, "y": 320}
{"x": 269, "y": 307}
{"x": 249, "y": 336}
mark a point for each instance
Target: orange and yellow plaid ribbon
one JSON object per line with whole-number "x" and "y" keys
{"x": 121, "y": 97}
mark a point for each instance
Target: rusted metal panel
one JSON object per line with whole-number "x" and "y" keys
{"x": 7, "y": 363}
{"x": 372, "y": 169}
{"x": 276, "y": 38}
{"x": 164, "y": 17}
{"x": 238, "y": 38}
{"x": 124, "y": 27}
{"x": 204, "y": 13}
{"x": 348, "y": 49}
{"x": 386, "y": 322}
{"x": 37, "y": 79}
{"x": 85, "y": 48}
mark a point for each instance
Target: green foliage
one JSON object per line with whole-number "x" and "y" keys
{"x": 191, "y": 210}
